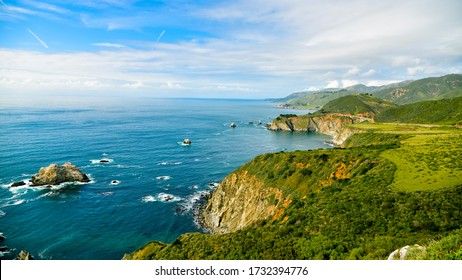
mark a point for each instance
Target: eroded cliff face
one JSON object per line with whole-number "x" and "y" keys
{"x": 239, "y": 201}
{"x": 335, "y": 125}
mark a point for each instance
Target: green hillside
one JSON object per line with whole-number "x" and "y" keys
{"x": 445, "y": 111}
{"x": 425, "y": 89}
{"x": 345, "y": 203}
{"x": 394, "y": 184}
{"x": 405, "y": 92}
{"x": 312, "y": 100}
{"x": 357, "y": 104}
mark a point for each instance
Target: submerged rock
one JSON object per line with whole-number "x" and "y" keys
{"x": 2, "y": 238}
{"x": 56, "y": 174}
{"x": 24, "y": 256}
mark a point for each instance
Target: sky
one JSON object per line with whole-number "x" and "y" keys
{"x": 222, "y": 49}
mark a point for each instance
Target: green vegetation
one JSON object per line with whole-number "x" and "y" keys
{"x": 425, "y": 89}
{"x": 394, "y": 184}
{"x": 427, "y": 158}
{"x": 344, "y": 204}
{"x": 445, "y": 111}
{"x": 357, "y": 104}
{"x": 312, "y": 100}
{"x": 447, "y": 248}
{"x": 448, "y": 86}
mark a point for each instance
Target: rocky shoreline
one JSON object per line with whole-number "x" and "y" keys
{"x": 334, "y": 125}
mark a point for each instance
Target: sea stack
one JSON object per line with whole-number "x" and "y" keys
{"x": 56, "y": 174}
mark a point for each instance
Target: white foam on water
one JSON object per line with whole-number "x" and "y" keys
{"x": 165, "y": 197}
{"x": 148, "y": 198}
{"x": 213, "y": 185}
{"x": 115, "y": 182}
{"x": 191, "y": 201}
{"x": 102, "y": 161}
{"x": 13, "y": 203}
{"x": 183, "y": 144}
{"x": 170, "y": 163}
{"x": 163, "y": 177}
{"x": 2, "y": 213}
{"x": 2, "y": 254}
{"x": 107, "y": 193}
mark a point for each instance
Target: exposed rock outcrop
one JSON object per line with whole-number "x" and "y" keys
{"x": 24, "y": 256}
{"x": 240, "y": 200}
{"x": 335, "y": 125}
{"x": 403, "y": 253}
{"x": 18, "y": 184}
{"x": 56, "y": 174}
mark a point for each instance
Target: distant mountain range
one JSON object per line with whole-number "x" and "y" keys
{"x": 400, "y": 93}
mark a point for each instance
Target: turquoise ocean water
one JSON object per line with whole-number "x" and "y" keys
{"x": 125, "y": 205}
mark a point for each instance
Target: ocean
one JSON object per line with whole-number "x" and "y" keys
{"x": 148, "y": 184}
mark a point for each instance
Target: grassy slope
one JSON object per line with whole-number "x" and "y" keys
{"x": 317, "y": 99}
{"x": 425, "y": 89}
{"x": 445, "y": 111}
{"x": 357, "y": 104}
{"x": 345, "y": 203}
{"x": 428, "y": 157}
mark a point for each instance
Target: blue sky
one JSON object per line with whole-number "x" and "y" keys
{"x": 230, "y": 49}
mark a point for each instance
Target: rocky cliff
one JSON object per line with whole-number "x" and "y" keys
{"x": 335, "y": 125}
{"x": 239, "y": 201}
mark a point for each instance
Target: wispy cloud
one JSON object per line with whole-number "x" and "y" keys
{"x": 160, "y": 36}
{"x": 259, "y": 47}
{"x": 38, "y": 39}
{"x": 46, "y": 7}
{"x": 109, "y": 45}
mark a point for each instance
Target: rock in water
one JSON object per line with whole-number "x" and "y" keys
{"x": 187, "y": 141}
{"x": 233, "y": 125}
{"x": 24, "y": 255}
{"x": 55, "y": 175}
{"x": 18, "y": 184}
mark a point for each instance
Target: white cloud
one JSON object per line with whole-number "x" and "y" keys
{"x": 312, "y": 89}
{"x": 348, "y": 83}
{"x": 369, "y": 72}
{"x": 353, "y": 71}
{"x": 133, "y": 85}
{"x": 172, "y": 85}
{"x": 267, "y": 47}
{"x": 341, "y": 83}
{"x": 333, "y": 84}
{"x": 381, "y": 82}
{"x": 109, "y": 45}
